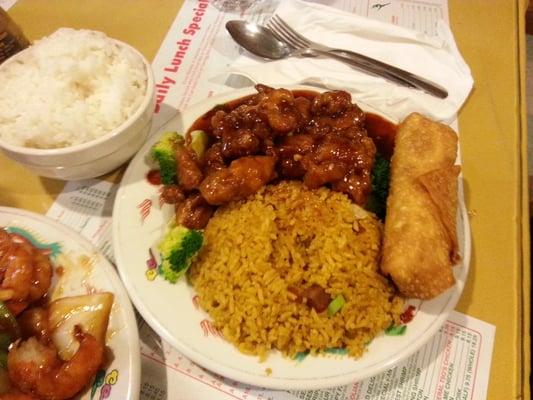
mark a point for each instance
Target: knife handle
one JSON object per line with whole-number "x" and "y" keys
{"x": 378, "y": 68}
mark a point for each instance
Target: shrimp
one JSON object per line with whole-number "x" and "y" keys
{"x": 41, "y": 277}
{"x": 16, "y": 395}
{"x": 25, "y": 272}
{"x": 36, "y": 369}
{"x": 18, "y": 274}
{"x": 5, "y": 243}
{"x": 6, "y": 246}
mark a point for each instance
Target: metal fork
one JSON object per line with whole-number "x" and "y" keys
{"x": 286, "y": 34}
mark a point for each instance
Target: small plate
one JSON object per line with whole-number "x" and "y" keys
{"x": 139, "y": 220}
{"x": 85, "y": 270}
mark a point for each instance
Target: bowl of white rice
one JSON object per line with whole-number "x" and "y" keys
{"x": 76, "y": 104}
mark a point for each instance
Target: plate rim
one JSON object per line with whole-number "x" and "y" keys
{"x": 134, "y": 371}
{"x": 271, "y": 382}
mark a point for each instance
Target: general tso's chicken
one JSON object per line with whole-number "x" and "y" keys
{"x": 189, "y": 173}
{"x": 334, "y": 112}
{"x": 213, "y": 158}
{"x": 243, "y": 177}
{"x": 240, "y": 143}
{"x": 279, "y": 107}
{"x": 172, "y": 194}
{"x": 342, "y": 162}
{"x": 193, "y": 212}
{"x": 291, "y": 151}
{"x": 241, "y": 131}
{"x": 245, "y": 116}
{"x": 357, "y": 185}
{"x": 303, "y": 105}
{"x": 318, "y": 138}
{"x": 332, "y": 103}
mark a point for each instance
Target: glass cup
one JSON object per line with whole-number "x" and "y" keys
{"x": 12, "y": 40}
{"x": 233, "y": 5}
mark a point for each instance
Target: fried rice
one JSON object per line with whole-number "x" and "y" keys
{"x": 287, "y": 236}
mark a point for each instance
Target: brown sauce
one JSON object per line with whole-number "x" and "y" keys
{"x": 324, "y": 139}
{"x": 381, "y": 130}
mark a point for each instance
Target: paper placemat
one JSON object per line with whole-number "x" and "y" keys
{"x": 454, "y": 365}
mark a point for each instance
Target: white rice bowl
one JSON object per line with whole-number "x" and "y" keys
{"x": 69, "y": 88}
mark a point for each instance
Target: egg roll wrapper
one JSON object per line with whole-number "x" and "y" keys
{"x": 439, "y": 184}
{"x": 420, "y": 236}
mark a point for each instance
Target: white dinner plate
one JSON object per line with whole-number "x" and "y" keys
{"x": 139, "y": 220}
{"x": 85, "y": 270}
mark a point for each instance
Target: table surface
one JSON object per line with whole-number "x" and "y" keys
{"x": 493, "y": 139}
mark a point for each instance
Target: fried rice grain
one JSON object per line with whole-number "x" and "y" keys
{"x": 287, "y": 236}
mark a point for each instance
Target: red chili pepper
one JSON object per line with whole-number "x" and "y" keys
{"x": 408, "y": 315}
{"x": 154, "y": 177}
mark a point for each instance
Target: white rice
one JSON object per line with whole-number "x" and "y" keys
{"x": 69, "y": 88}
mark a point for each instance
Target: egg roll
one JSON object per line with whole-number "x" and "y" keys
{"x": 420, "y": 244}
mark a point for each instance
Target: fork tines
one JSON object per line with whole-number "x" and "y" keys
{"x": 286, "y": 34}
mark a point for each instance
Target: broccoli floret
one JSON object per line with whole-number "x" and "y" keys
{"x": 177, "y": 249}
{"x": 164, "y": 153}
{"x": 377, "y": 202}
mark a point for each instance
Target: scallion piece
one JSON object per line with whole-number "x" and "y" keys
{"x": 8, "y": 323}
{"x": 5, "y": 341}
{"x": 3, "y": 359}
{"x": 336, "y": 304}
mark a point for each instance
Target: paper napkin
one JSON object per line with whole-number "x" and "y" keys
{"x": 435, "y": 58}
